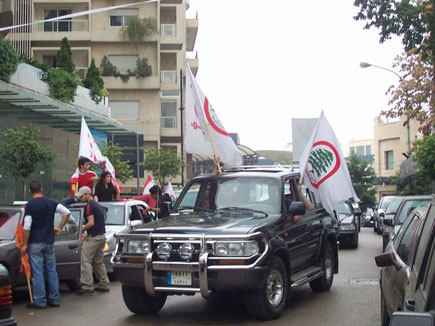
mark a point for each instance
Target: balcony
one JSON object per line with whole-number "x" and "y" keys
{"x": 151, "y": 82}
{"x": 191, "y": 32}
{"x": 74, "y": 30}
{"x": 61, "y": 1}
{"x": 193, "y": 63}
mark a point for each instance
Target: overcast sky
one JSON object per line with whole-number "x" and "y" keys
{"x": 262, "y": 63}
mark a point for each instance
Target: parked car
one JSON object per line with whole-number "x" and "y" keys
{"x": 420, "y": 290}
{"x": 122, "y": 216}
{"x": 397, "y": 262}
{"x": 390, "y": 211}
{"x": 6, "y": 318}
{"x": 358, "y": 214}
{"x": 393, "y": 221}
{"x": 380, "y": 213}
{"x": 245, "y": 231}
{"x": 67, "y": 246}
{"x": 369, "y": 218}
{"x": 348, "y": 221}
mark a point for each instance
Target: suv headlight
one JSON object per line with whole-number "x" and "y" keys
{"x": 236, "y": 248}
{"x": 347, "y": 227}
{"x": 138, "y": 247}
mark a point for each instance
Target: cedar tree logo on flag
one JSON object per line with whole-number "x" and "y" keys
{"x": 323, "y": 162}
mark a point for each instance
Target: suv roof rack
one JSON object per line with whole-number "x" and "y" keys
{"x": 263, "y": 168}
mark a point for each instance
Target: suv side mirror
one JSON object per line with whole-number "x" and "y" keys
{"x": 135, "y": 223}
{"x": 387, "y": 259}
{"x": 388, "y": 221}
{"x": 296, "y": 209}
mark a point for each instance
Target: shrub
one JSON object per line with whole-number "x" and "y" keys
{"x": 8, "y": 60}
{"x": 138, "y": 29}
{"x": 94, "y": 82}
{"x": 62, "y": 84}
{"x": 64, "y": 56}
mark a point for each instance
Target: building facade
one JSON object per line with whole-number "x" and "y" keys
{"x": 150, "y": 104}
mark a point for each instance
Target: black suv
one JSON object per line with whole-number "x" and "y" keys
{"x": 245, "y": 231}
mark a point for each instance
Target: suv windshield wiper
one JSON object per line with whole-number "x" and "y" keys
{"x": 196, "y": 209}
{"x": 234, "y": 208}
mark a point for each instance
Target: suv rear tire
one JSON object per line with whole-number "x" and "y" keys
{"x": 73, "y": 284}
{"x": 139, "y": 302}
{"x": 269, "y": 302}
{"x": 324, "y": 282}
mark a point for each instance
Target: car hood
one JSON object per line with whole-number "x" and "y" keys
{"x": 207, "y": 223}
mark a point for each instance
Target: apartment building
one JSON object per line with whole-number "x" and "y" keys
{"x": 387, "y": 150}
{"x": 150, "y": 104}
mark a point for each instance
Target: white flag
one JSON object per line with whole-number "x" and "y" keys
{"x": 88, "y": 147}
{"x": 199, "y": 116}
{"x": 324, "y": 169}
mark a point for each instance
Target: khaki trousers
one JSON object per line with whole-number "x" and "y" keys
{"x": 92, "y": 258}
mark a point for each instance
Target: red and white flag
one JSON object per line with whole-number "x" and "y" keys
{"x": 324, "y": 169}
{"x": 88, "y": 148}
{"x": 171, "y": 193}
{"x": 200, "y": 115}
{"x": 148, "y": 184}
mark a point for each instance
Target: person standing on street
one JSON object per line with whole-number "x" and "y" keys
{"x": 93, "y": 239}
{"x": 38, "y": 241}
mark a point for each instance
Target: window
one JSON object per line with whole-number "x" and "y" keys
{"x": 169, "y": 114}
{"x": 360, "y": 150}
{"x": 63, "y": 25}
{"x": 124, "y": 62}
{"x": 403, "y": 246}
{"x": 408, "y": 207}
{"x": 71, "y": 229}
{"x": 124, "y": 110}
{"x": 352, "y": 150}
{"x": 49, "y": 60}
{"x": 121, "y": 17}
{"x": 389, "y": 160}
{"x": 368, "y": 150}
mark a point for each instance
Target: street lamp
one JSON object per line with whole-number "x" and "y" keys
{"x": 367, "y": 65}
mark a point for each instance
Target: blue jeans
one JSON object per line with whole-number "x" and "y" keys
{"x": 42, "y": 255}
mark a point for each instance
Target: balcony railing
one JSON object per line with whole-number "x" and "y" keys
{"x": 168, "y": 30}
{"x": 169, "y": 122}
{"x": 64, "y": 26}
{"x": 168, "y": 76}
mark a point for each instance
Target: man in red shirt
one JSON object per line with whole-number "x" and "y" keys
{"x": 84, "y": 178}
{"x": 151, "y": 198}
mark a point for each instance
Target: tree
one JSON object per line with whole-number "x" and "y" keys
{"x": 22, "y": 153}
{"x": 425, "y": 157}
{"x": 163, "y": 164}
{"x": 94, "y": 82}
{"x": 113, "y": 152}
{"x": 414, "y": 21}
{"x": 8, "y": 60}
{"x": 64, "y": 56}
{"x": 420, "y": 186}
{"x": 363, "y": 177}
{"x": 412, "y": 97}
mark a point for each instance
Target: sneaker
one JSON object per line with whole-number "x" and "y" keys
{"x": 32, "y": 305}
{"x": 53, "y": 305}
{"x": 102, "y": 289}
{"x": 85, "y": 292}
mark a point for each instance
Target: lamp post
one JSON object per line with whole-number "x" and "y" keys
{"x": 367, "y": 65}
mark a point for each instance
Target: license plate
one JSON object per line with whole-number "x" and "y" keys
{"x": 179, "y": 278}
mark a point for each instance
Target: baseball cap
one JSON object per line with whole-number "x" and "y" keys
{"x": 83, "y": 190}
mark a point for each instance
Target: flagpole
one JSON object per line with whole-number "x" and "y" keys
{"x": 212, "y": 147}
{"x": 181, "y": 125}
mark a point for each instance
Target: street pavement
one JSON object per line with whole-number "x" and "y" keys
{"x": 352, "y": 300}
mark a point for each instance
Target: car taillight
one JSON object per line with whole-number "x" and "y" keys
{"x": 5, "y": 296}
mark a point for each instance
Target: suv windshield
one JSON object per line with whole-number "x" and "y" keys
{"x": 114, "y": 214}
{"x": 394, "y": 205}
{"x": 8, "y": 224}
{"x": 385, "y": 202}
{"x": 254, "y": 193}
{"x": 409, "y": 206}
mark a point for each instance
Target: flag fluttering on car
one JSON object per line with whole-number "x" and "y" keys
{"x": 205, "y": 133}
{"x": 324, "y": 169}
